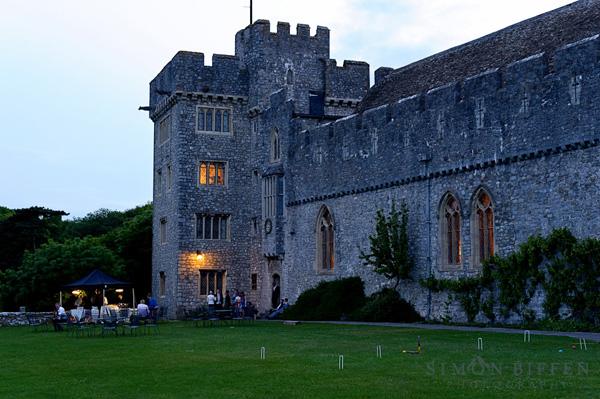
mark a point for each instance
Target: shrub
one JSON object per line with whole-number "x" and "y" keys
{"x": 387, "y": 305}
{"x": 329, "y": 300}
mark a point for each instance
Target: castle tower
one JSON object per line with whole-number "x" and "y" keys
{"x": 219, "y": 158}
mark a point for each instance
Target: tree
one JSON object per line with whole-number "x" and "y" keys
{"x": 37, "y": 281}
{"x": 389, "y": 253}
{"x": 27, "y": 229}
{"x": 132, "y": 242}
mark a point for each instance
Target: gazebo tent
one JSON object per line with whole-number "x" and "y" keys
{"x": 97, "y": 279}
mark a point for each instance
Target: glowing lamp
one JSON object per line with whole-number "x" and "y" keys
{"x": 199, "y": 256}
{"x": 119, "y": 290}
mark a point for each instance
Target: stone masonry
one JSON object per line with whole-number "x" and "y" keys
{"x": 521, "y": 123}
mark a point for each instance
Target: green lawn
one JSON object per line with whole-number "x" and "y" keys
{"x": 302, "y": 362}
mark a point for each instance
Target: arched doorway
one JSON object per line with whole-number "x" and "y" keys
{"x": 276, "y": 292}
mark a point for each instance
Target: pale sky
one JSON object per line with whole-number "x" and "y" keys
{"x": 73, "y": 72}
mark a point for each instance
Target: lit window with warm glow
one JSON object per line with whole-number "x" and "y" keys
{"x": 212, "y": 173}
{"x": 450, "y": 228}
{"x": 482, "y": 227}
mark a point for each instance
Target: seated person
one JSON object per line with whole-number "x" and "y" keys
{"x": 143, "y": 310}
{"x": 60, "y": 316}
{"x": 282, "y": 306}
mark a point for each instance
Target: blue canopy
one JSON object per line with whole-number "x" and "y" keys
{"x": 97, "y": 278}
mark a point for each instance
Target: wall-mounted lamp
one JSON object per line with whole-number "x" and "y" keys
{"x": 119, "y": 290}
{"x": 199, "y": 256}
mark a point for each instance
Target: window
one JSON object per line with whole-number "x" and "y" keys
{"x": 169, "y": 177}
{"x": 325, "y": 241}
{"x": 289, "y": 77}
{"x": 212, "y": 173}
{"x": 163, "y": 231}
{"x": 479, "y": 113}
{"x": 164, "y": 129}
{"x": 212, "y": 227}
{"x": 162, "y": 281}
{"x": 158, "y": 181}
{"x": 254, "y": 282}
{"x": 275, "y": 146}
{"x": 482, "y": 227}
{"x": 450, "y": 231}
{"x": 272, "y": 205}
{"x": 211, "y": 280}
{"x": 575, "y": 89}
{"x": 214, "y": 120}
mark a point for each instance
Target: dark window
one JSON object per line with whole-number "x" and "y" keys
{"x": 254, "y": 284}
{"x": 316, "y": 103}
{"x": 212, "y": 227}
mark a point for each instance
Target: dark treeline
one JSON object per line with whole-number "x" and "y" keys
{"x": 39, "y": 252}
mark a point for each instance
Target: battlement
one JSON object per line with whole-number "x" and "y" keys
{"x": 350, "y": 81}
{"x": 541, "y": 101}
{"x": 187, "y": 72}
{"x": 258, "y": 38}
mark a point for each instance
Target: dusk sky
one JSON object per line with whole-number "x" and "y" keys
{"x": 73, "y": 73}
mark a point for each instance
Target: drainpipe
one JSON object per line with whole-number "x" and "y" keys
{"x": 426, "y": 160}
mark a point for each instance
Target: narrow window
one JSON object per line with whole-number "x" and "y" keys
{"x": 325, "y": 241}
{"x": 203, "y": 171}
{"x": 451, "y": 231}
{"x": 162, "y": 282}
{"x": 164, "y": 129}
{"x": 226, "y": 121}
{"x": 169, "y": 177}
{"x": 158, "y": 181}
{"x": 209, "y": 119}
{"x": 275, "y": 146}
{"x": 218, "y": 120}
{"x": 483, "y": 227}
{"x": 201, "y": 117}
{"x": 254, "y": 282}
{"x": 479, "y": 113}
{"x": 212, "y": 174}
{"x": 163, "y": 231}
{"x": 575, "y": 90}
{"x": 269, "y": 196}
{"x": 220, "y": 174}
{"x": 289, "y": 78}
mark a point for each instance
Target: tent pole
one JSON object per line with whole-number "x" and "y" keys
{"x": 60, "y": 297}
{"x": 133, "y": 290}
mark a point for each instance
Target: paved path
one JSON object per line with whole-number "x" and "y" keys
{"x": 589, "y": 336}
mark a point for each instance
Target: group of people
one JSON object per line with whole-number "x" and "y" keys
{"x": 144, "y": 311}
{"x": 235, "y": 302}
{"x": 149, "y": 310}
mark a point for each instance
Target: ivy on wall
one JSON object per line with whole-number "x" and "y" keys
{"x": 565, "y": 268}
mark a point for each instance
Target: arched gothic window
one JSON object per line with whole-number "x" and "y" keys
{"x": 275, "y": 146}
{"x": 450, "y": 225}
{"x": 289, "y": 77}
{"x": 482, "y": 227}
{"x": 325, "y": 241}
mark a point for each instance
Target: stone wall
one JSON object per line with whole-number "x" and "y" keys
{"x": 13, "y": 319}
{"x": 528, "y": 134}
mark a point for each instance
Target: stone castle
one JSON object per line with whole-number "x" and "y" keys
{"x": 269, "y": 165}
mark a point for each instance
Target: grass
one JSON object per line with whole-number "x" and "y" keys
{"x": 302, "y": 362}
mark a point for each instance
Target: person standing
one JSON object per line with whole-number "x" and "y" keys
{"x": 60, "y": 316}
{"x": 210, "y": 299}
{"x": 143, "y": 311}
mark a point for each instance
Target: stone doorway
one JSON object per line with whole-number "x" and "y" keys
{"x": 276, "y": 290}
